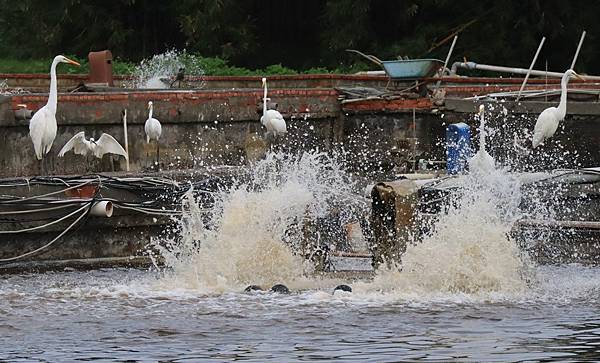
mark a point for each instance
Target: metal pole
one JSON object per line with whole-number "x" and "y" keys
{"x": 577, "y": 51}
{"x": 126, "y": 143}
{"x": 500, "y": 69}
{"x": 531, "y": 67}
{"x": 447, "y": 60}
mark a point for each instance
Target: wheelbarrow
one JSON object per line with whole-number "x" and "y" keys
{"x": 405, "y": 69}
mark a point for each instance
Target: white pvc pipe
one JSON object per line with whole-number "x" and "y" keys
{"x": 126, "y": 142}
{"x": 531, "y": 67}
{"x": 501, "y": 69}
{"x": 447, "y": 60}
{"x": 102, "y": 209}
{"x": 578, "y": 49}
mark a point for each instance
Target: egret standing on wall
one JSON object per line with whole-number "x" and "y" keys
{"x": 548, "y": 120}
{"x": 271, "y": 119}
{"x": 42, "y": 127}
{"x": 153, "y": 129}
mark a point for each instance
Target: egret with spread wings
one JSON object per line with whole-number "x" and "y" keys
{"x": 106, "y": 144}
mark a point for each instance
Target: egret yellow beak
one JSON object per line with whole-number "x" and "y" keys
{"x": 72, "y": 62}
{"x": 579, "y": 77}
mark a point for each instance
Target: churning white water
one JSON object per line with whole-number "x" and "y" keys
{"x": 255, "y": 234}
{"x": 470, "y": 250}
{"x": 160, "y": 70}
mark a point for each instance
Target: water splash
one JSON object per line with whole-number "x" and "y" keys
{"x": 255, "y": 235}
{"x": 160, "y": 70}
{"x": 482, "y": 161}
{"x": 470, "y": 249}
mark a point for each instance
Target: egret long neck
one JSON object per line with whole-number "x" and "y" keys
{"x": 562, "y": 106}
{"x": 151, "y": 109}
{"x": 53, "y": 96}
{"x": 265, "y": 101}
{"x": 481, "y": 132}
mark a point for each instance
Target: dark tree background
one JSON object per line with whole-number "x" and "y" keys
{"x": 307, "y": 33}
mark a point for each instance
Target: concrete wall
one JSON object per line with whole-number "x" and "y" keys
{"x": 198, "y": 127}
{"x": 222, "y": 127}
{"x": 204, "y": 127}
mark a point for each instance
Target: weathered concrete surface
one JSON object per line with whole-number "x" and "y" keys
{"x": 96, "y": 237}
{"x": 199, "y": 128}
{"x": 215, "y": 128}
{"x": 222, "y": 127}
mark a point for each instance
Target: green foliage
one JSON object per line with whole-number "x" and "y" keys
{"x": 123, "y": 67}
{"x": 279, "y": 69}
{"x": 219, "y": 67}
{"x": 19, "y": 66}
{"x": 317, "y": 70}
{"x": 8, "y": 65}
{"x": 210, "y": 67}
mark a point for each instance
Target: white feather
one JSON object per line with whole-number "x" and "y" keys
{"x": 106, "y": 144}
{"x": 546, "y": 125}
{"x": 274, "y": 122}
{"x": 42, "y": 127}
{"x": 547, "y": 122}
{"x": 42, "y": 130}
{"x": 153, "y": 129}
{"x": 152, "y": 126}
{"x": 272, "y": 119}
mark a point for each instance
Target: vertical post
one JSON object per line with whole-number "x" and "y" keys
{"x": 531, "y": 67}
{"x": 126, "y": 142}
{"x": 447, "y": 59}
{"x": 577, "y": 51}
{"x": 414, "y": 127}
{"x": 546, "y": 84}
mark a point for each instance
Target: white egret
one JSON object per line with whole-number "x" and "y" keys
{"x": 548, "y": 120}
{"x": 153, "y": 129}
{"x": 271, "y": 119}
{"x": 482, "y": 161}
{"x": 106, "y": 144}
{"x": 42, "y": 127}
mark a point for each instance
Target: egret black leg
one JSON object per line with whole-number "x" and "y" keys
{"x": 157, "y": 155}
